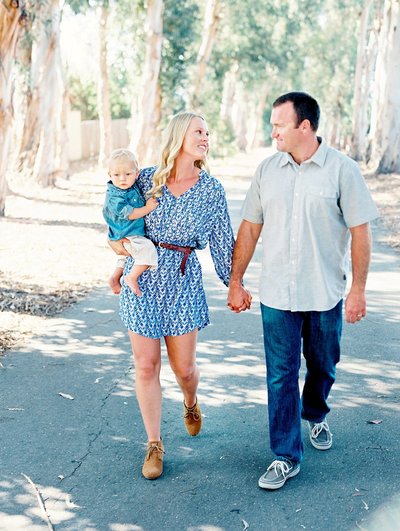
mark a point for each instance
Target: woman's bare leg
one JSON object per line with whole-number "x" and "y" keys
{"x": 147, "y": 357}
{"x": 182, "y": 358}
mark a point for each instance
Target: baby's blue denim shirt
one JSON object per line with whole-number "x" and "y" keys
{"x": 118, "y": 205}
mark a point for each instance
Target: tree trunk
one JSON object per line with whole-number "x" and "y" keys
{"x": 385, "y": 119}
{"x": 211, "y": 20}
{"x": 361, "y": 88}
{"x": 146, "y": 134}
{"x": 258, "y": 137}
{"x": 10, "y": 17}
{"x": 228, "y": 96}
{"x": 240, "y": 115}
{"x": 103, "y": 90}
{"x": 43, "y": 138}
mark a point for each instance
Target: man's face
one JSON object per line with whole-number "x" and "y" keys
{"x": 285, "y": 131}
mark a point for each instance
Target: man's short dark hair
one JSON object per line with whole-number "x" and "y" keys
{"x": 305, "y": 107}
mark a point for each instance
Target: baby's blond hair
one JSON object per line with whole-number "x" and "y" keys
{"x": 122, "y": 153}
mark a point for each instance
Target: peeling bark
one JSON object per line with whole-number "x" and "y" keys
{"x": 145, "y": 131}
{"x": 385, "y": 119}
{"x": 10, "y": 29}
{"x": 103, "y": 90}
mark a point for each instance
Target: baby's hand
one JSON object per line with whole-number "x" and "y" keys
{"x": 151, "y": 204}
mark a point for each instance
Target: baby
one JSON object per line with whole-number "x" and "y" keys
{"x": 124, "y": 210}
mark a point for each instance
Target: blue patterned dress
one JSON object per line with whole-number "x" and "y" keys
{"x": 173, "y": 304}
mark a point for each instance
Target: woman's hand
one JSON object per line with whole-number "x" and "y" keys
{"x": 117, "y": 246}
{"x": 239, "y": 298}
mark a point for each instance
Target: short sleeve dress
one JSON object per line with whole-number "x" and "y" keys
{"x": 172, "y": 303}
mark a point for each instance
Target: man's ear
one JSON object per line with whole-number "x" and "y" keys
{"x": 305, "y": 125}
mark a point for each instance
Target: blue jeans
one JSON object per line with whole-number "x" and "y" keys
{"x": 283, "y": 332}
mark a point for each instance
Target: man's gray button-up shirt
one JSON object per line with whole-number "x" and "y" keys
{"x": 306, "y": 211}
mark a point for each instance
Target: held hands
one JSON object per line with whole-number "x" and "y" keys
{"x": 239, "y": 298}
{"x": 151, "y": 204}
{"x": 355, "y": 306}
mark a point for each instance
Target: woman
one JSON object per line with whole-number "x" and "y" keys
{"x": 192, "y": 212}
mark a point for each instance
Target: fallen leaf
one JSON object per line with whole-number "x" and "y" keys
{"x": 64, "y": 395}
{"x": 377, "y": 421}
{"x": 70, "y": 503}
{"x": 245, "y": 525}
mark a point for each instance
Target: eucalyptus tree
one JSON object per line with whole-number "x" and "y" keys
{"x": 12, "y": 19}
{"x": 211, "y": 22}
{"x": 146, "y": 123}
{"x": 102, "y": 7}
{"x": 42, "y": 139}
{"x": 366, "y": 58}
{"x": 385, "y": 117}
{"x": 251, "y": 60}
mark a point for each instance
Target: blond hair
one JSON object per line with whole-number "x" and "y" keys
{"x": 170, "y": 148}
{"x": 125, "y": 154}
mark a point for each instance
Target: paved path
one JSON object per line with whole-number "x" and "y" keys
{"x": 85, "y": 455}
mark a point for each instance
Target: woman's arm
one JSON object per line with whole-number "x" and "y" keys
{"x": 222, "y": 239}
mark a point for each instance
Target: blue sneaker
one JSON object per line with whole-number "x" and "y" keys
{"x": 277, "y": 473}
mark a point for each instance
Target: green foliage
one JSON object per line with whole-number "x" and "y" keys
{"x": 83, "y": 97}
{"x": 293, "y": 45}
{"x": 181, "y": 28}
{"x": 120, "y": 94}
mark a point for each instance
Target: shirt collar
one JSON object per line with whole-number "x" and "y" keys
{"x": 318, "y": 158}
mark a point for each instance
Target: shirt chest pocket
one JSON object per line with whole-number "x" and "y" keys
{"x": 321, "y": 201}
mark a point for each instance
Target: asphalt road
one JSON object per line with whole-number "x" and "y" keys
{"x": 84, "y": 455}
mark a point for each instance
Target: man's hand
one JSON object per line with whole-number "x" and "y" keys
{"x": 239, "y": 298}
{"x": 355, "y": 306}
{"x": 117, "y": 246}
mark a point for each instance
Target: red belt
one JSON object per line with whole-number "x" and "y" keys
{"x": 185, "y": 250}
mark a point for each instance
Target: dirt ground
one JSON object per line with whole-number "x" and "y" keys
{"x": 53, "y": 246}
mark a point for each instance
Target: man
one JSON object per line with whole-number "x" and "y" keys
{"x": 307, "y": 201}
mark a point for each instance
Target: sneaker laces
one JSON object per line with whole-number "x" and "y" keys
{"x": 318, "y": 427}
{"x": 279, "y": 467}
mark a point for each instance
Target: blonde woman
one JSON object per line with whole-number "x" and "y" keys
{"x": 191, "y": 213}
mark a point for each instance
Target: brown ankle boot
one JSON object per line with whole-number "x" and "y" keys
{"x": 192, "y": 416}
{"x": 153, "y": 462}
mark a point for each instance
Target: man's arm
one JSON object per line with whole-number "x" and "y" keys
{"x": 355, "y": 305}
{"x": 239, "y": 299}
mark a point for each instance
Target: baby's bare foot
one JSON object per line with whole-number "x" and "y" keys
{"x": 133, "y": 284}
{"x": 114, "y": 284}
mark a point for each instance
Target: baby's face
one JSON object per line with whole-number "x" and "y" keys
{"x": 123, "y": 173}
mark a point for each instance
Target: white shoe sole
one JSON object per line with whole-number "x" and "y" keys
{"x": 274, "y": 486}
